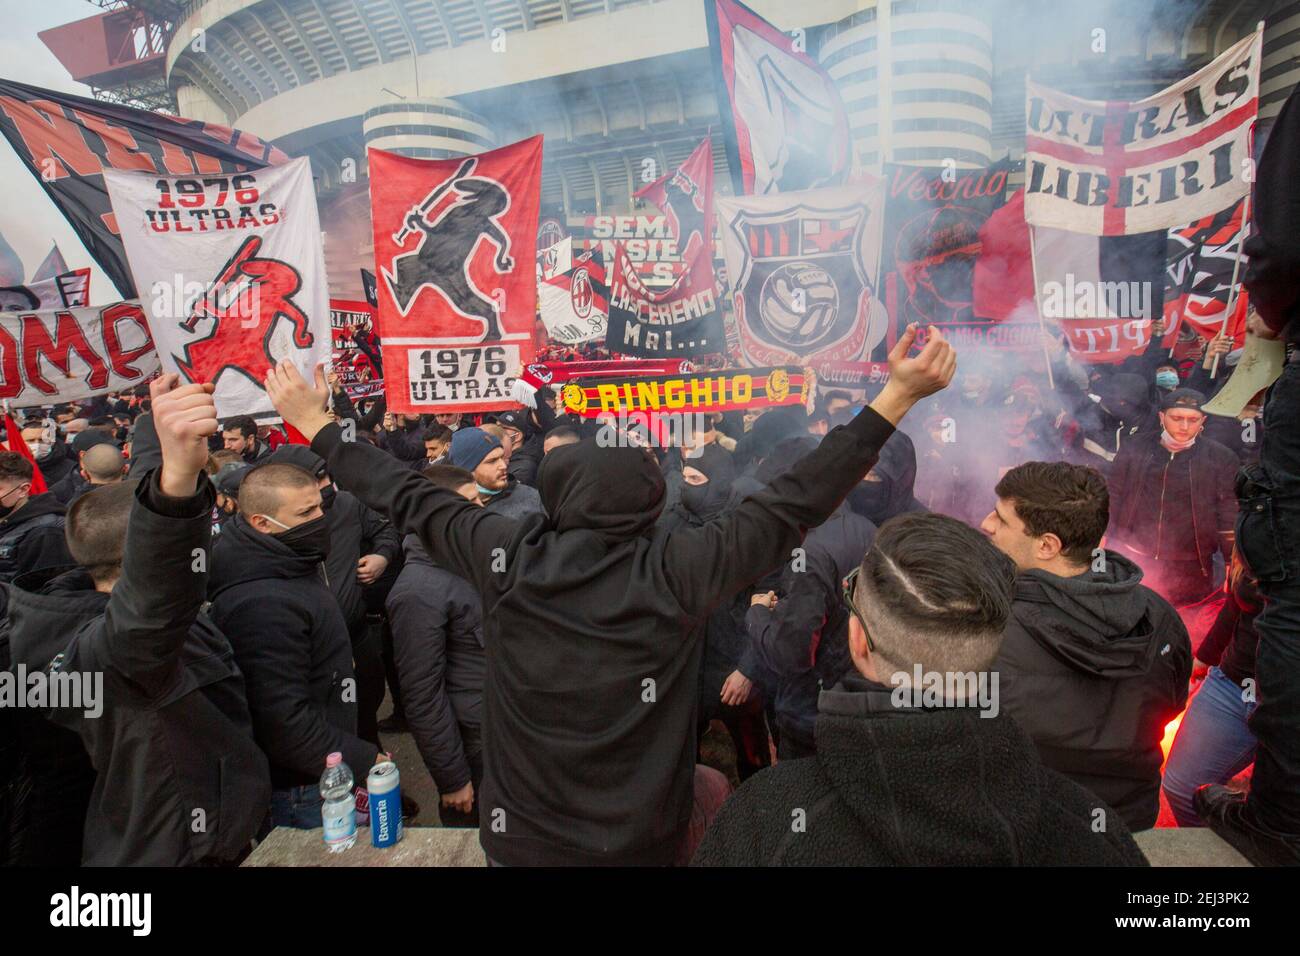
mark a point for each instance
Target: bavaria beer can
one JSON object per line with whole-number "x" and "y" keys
{"x": 385, "y": 788}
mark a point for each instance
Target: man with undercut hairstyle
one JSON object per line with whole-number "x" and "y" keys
{"x": 290, "y": 638}
{"x": 170, "y": 737}
{"x": 908, "y": 773}
{"x": 1094, "y": 664}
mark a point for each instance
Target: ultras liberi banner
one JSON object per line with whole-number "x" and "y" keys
{"x": 1115, "y": 168}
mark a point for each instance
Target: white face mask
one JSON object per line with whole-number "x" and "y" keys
{"x": 40, "y": 449}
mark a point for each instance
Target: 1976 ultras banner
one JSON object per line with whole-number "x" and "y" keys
{"x": 455, "y": 244}
{"x": 1115, "y": 168}
{"x": 232, "y": 275}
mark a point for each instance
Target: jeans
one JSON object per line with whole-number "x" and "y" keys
{"x": 1213, "y": 744}
{"x": 297, "y": 807}
{"x": 1268, "y": 535}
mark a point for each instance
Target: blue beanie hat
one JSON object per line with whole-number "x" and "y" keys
{"x": 469, "y": 446}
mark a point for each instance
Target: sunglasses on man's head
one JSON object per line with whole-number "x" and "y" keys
{"x": 850, "y": 585}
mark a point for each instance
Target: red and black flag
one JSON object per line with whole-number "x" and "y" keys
{"x": 68, "y": 141}
{"x": 685, "y": 319}
{"x": 1198, "y": 276}
{"x": 785, "y": 126}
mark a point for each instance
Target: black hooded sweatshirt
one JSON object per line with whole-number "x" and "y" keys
{"x": 291, "y": 642}
{"x": 1093, "y": 667}
{"x": 174, "y": 736}
{"x": 31, "y": 538}
{"x": 592, "y": 626}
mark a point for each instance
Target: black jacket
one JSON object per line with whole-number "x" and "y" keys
{"x": 1093, "y": 667}
{"x": 405, "y": 443}
{"x": 912, "y": 788}
{"x": 1273, "y": 247}
{"x": 355, "y": 531}
{"x": 1232, "y": 640}
{"x": 292, "y": 644}
{"x": 173, "y": 746}
{"x": 1211, "y": 504}
{"x": 804, "y": 641}
{"x": 56, "y": 463}
{"x": 592, "y": 630}
{"x": 31, "y": 538}
{"x": 437, "y": 623}
{"x": 70, "y": 487}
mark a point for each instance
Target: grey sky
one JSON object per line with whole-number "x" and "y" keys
{"x": 28, "y": 219}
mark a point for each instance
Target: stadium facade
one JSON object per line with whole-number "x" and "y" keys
{"x": 621, "y": 88}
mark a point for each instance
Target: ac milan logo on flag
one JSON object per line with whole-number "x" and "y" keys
{"x": 803, "y": 270}
{"x": 580, "y": 293}
{"x": 447, "y": 243}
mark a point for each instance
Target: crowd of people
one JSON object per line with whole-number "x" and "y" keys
{"x": 945, "y": 622}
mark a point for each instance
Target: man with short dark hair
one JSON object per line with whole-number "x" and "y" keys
{"x": 51, "y": 453}
{"x": 437, "y": 621}
{"x": 437, "y": 439}
{"x": 1093, "y": 664}
{"x": 289, "y": 636}
{"x": 560, "y": 435}
{"x": 1175, "y": 501}
{"x": 915, "y": 765}
{"x": 31, "y": 526}
{"x": 239, "y": 434}
{"x": 172, "y": 742}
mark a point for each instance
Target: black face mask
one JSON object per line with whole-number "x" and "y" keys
{"x": 311, "y": 539}
{"x": 327, "y": 496}
{"x": 871, "y": 500}
{"x": 695, "y": 498}
{"x": 6, "y": 511}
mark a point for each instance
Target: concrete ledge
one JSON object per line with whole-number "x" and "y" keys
{"x": 436, "y": 846}
{"x": 420, "y": 846}
{"x": 1187, "y": 846}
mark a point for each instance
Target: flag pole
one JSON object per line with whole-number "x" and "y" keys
{"x": 1241, "y": 242}
{"x": 1042, "y": 326}
{"x": 1233, "y": 287}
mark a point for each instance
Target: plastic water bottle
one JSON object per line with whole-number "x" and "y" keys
{"x": 339, "y": 812}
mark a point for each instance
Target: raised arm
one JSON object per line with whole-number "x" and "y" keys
{"x": 459, "y": 535}
{"x": 707, "y": 564}
{"x": 164, "y": 563}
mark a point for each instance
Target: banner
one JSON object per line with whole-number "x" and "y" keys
{"x": 575, "y": 304}
{"x": 455, "y": 250}
{"x": 555, "y": 259}
{"x": 691, "y": 392}
{"x": 1198, "y": 276}
{"x": 551, "y": 374}
{"x": 352, "y": 323}
{"x": 52, "y": 265}
{"x": 649, "y": 242}
{"x": 933, "y": 219}
{"x": 785, "y": 126}
{"x": 685, "y": 319}
{"x": 802, "y": 268}
{"x": 68, "y": 290}
{"x": 1104, "y": 292}
{"x": 66, "y": 355}
{"x": 233, "y": 272}
{"x": 1115, "y": 168}
{"x": 68, "y": 141}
